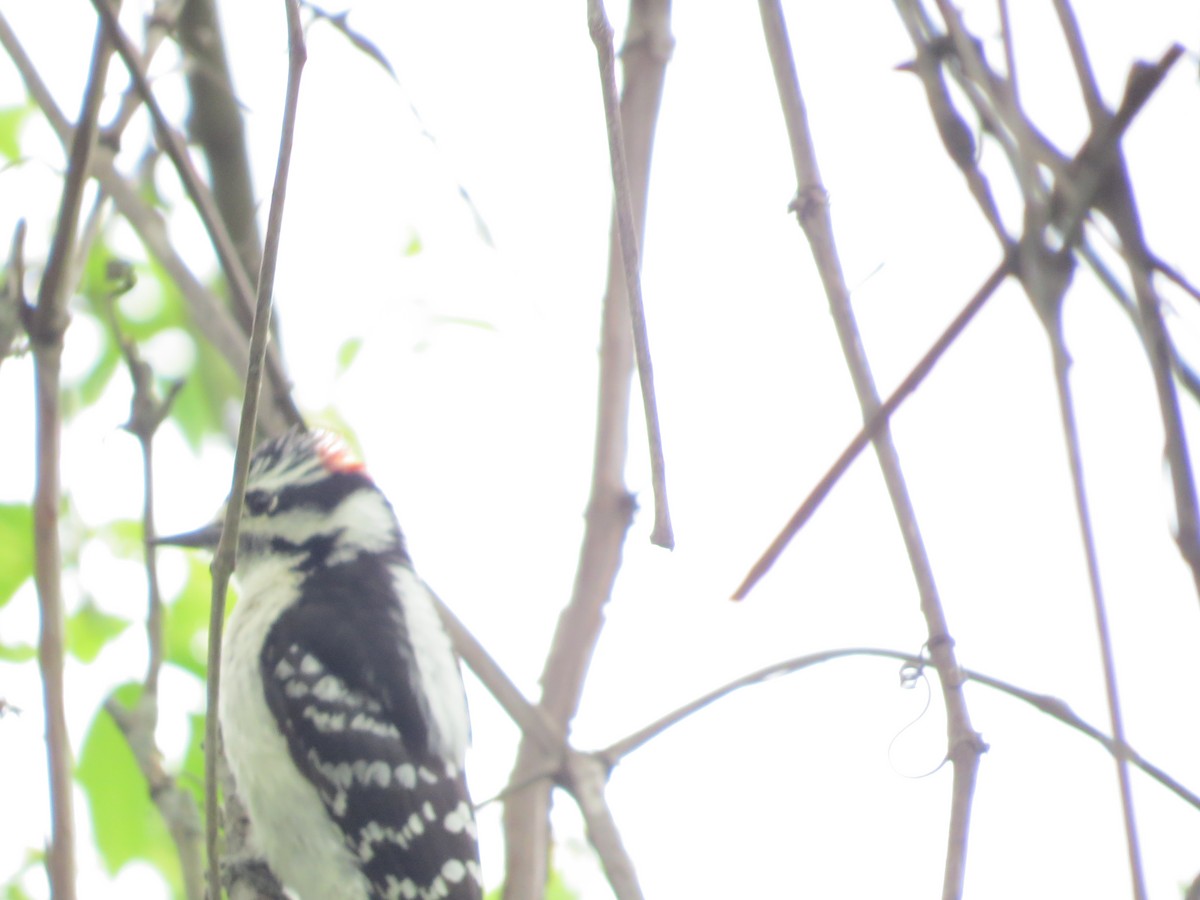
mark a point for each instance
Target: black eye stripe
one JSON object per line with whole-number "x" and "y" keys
{"x": 260, "y": 503}
{"x": 323, "y": 496}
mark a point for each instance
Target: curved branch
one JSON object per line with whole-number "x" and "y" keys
{"x": 1051, "y": 706}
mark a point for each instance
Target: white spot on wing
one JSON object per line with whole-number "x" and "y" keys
{"x": 330, "y": 688}
{"x": 454, "y": 871}
{"x": 460, "y": 819}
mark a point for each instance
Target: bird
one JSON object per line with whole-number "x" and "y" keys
{"x": 342, "y": 709}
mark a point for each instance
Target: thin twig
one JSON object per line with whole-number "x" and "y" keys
{"x": 628, "y": 233}
{"x": 647, "y": 48}
{"x": 533, "y": 721}
{"x": 889, "y": 406}
{"x": 225, "y": 557}
{"x": 586, "y": 777}
{"x": 965, "y": 745}
{"x": 1062, "y": 364}
{"x": 176, "y": 805}
{"x": 1090, "y": 179}
{"x": 1051, "y": 706}
{"x": 241, "y": 288}
{"x": 209, "y": 315}
{"x": 160, "y": 25}
{"x": 1083, "y": 67}
{"x": 216, "y": 128}
{"x": 46, "y": 323}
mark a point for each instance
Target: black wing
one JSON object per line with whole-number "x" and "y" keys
{"x": 356, "y": 730}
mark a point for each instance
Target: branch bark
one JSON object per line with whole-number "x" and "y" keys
{"x": 46, "y": 324}
{"x": 214, "y": 124}
{"x": 964, "y": 744}
{"x": 226, "y": 553}
{"x": 610, "y": 508}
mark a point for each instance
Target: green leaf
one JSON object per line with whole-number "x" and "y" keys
{"x": 124, "y": 537}
{"x": 87, "y": 390}
{"x": 89, "y": 630}
{"x": 347, "y": 354}
{"x": 125, "y": 822}
{"x": 463, "y": 321}
{"x": 200, "y": 406}
{"x": 187, "y": 620}
{"x": 556, "y": 889}
{"x": 17, "y": 653}
{"x": 11, "y": 120}
{"x": 16, "y": 548}
{"x": 414, "y": 246}
{"x": 11, "y": 889}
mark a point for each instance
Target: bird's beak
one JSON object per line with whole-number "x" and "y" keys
{"x": 208, "y": 536}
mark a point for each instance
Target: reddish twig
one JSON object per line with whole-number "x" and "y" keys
{"x": 886, "y": 409}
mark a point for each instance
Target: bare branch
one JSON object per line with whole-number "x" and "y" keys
{"x": 214, "y": 124}
{"x": 224, "y": 558}
{"x": 889, "y": 406}
{"x": 965, "y": 745}
{"x": 241, "y": 288}
{"x": 1051, "y": 706}
{"x": 629, "y": 235}
{"x": 610, "y": 507}
{"x": 533, "y": 721}
{"x": 208, "y": 314}
{"x": 1083, "y": 67}
{"x": 586, "y": 777}
{"x": 46, "y": 323}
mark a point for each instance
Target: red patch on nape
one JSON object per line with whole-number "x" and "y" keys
{"x": 335, "y": 455}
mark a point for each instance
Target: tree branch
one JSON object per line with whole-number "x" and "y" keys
{"x": 629, "y": 235}
{"x": 1051, "y": 706}
{"x": 225, "y": 556}
{"x": 46, "y": 324}
{"x": 240, "y": 286}
{"x": 610, "y": 507}
{"x": 886, "y": 409}
{"x": 209, "y": 316}
{"x": 812, "y": 207}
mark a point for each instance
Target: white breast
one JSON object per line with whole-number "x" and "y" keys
{"x": 301, "y": 843}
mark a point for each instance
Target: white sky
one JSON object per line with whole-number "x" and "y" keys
{"x": 482, "y": 437}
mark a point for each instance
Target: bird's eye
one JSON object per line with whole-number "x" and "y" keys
{"x": 260, "y": 503}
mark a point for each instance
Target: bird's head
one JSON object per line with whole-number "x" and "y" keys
{"x": 307, "y": 498}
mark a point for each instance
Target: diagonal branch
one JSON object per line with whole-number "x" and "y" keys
{"x": 208, "y": 314}
{"x": 812, "y": 206}
{"x": 241, "y": 288}
{"x": 886, "y": 409}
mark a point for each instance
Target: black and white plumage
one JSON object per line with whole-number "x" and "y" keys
{"x": 342, "y": 707}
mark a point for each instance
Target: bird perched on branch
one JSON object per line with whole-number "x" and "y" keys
{"x": 342, "y": 709}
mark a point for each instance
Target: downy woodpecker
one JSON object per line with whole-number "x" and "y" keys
{"x": 342, "y": 706}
